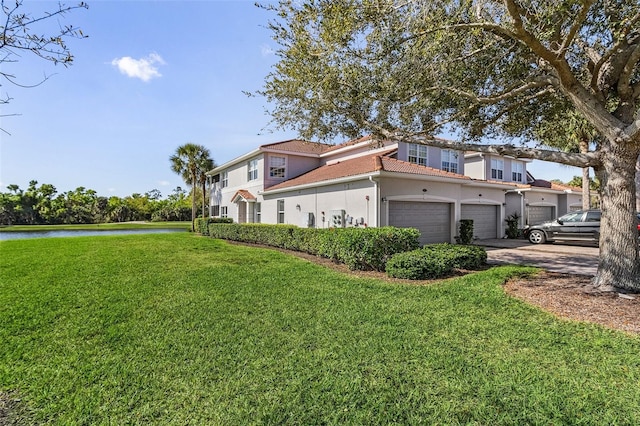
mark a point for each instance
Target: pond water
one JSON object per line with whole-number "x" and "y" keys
{"x": 85, "y": 233}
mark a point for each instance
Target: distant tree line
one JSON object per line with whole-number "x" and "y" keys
{"x": 40, "y": 205}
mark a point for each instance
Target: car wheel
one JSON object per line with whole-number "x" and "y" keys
{"x": 537, "y": 237}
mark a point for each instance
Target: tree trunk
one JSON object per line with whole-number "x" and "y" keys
{"x": 619, "y": 265}
{"x": 586, "y": 190}
{"x": 204, "y": 198}
{"x": 194, "y": 207}
{"x": 638, "y": 185}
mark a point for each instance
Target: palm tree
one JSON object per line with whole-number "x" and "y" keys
{"x": 204, "y": 166}
{"x": 191, "y": 162}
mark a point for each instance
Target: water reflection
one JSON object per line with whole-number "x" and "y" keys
{"x": 83, "y": 233}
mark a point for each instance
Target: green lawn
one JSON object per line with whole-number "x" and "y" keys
{"x": 181, "y": 329}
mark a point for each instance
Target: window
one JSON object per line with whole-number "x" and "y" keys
{"x": 225, "y": 179}
{"x": 280, "y": 211}
{"x": 449, "y": 161}
{"x": 418, "y": 154}
{"x": 253, "y": 170}
{"x": 223, "y": 211}
{"x": 517, "y": 171}
{"x": 258, "y": 212}
{"x": 592, "y": 216}
{"x": 215, "y": 182}
{"x": 497, "y": 168}
{"x": 215, "y": 211}
{"x": 277, "y": 166}
{"x": 571, "y": 217}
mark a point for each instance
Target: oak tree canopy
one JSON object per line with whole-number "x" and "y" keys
{"x": 484, "y": 70}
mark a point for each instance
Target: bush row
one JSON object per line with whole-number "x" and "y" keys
{"x": 435, "y": 261}
{"x": 358, "y": 248}
{"x": 202, "y": 225}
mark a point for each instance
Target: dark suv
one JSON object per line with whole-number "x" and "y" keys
{"x": 583, "y": 225}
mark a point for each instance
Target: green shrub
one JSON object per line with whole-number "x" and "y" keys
{"x": 358, "y": 248}
{"x": 417, "y": 265}
{"x": 202, "y": 224}
{"x": 435, "y": 261}
{"x": 513, "y": 221}
{"x": 466, "y": 231}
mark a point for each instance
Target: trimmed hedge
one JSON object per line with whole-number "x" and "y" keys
{"x": 358, "y": 248}
{"x": 202, "y": 225}
{"x": 435, "y": 261}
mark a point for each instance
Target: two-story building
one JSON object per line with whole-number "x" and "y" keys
{"x": 533, "y": 200}
{"x": 365, "y": 182}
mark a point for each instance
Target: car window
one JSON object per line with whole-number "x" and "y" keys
{"x": 572, "y": 217}
{"x": 593, "y": 217}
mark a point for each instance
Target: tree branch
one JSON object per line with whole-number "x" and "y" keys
{"x": 577, "y": 23}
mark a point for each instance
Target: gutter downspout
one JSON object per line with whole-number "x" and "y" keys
{"x": 376, "y": 202}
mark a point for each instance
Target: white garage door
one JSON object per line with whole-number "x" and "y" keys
{"x": 433, "y": 220}
{"x": 538, "y": 214}
{"x": 485, "y": 220}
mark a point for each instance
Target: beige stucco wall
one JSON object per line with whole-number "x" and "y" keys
{"x": 348, "y": 196}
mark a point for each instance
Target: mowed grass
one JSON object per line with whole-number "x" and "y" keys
{"x": 181, "y": 329}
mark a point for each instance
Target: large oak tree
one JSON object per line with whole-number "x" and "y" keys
{"x": 481, "y": 69}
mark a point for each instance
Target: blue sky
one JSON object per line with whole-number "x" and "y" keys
{"x": 151, "y": 76}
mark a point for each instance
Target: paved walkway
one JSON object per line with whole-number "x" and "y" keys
{"x": 568, "y": 258}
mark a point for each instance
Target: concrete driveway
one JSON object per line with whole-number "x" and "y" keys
{"x": 568, "y": 258}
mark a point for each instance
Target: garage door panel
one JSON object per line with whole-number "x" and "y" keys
{"x": 485, "y": 219}
{"x": 431, "y": 219}
{"x": 539, "y": 214}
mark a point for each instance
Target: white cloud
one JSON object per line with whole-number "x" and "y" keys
{"x": 164, "y": 183}
{"x": 144, "y": 68}
{"x": 267, "y": 50}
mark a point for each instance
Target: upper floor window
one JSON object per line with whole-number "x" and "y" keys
{"x": 449, "y": 161}
{"x": 253, "y": 170}
{"x": 517, "y": 170}
{"x": 418, "y": 154}
{"x": 280, "y": 211}
{"x": 224, "y": 178}
{"x": 497, "y": 169}
{"x": 277, "y": 166}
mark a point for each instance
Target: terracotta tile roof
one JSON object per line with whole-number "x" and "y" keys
{"x": 399, "y": 166}
{"x": 563, "y": 187}
{"x": 539, "y": 183}
{"x": 351, "y": 143}
{"x": 296, "y": 145}
{"x": 244, "y": 194}
{"x": 362, "y": 165}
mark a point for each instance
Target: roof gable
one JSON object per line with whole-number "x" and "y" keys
{"x": 361, "y": 166}
{"x": 298, "y": 146}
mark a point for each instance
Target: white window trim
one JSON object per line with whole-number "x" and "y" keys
{"x": 421, "y": 153}
{"x": 280, "y": 211}
{"x": 224, "y": 211}
{"x": 252, "y": 173}
{"x": 451, "y": 156}
{"x": 224, "y": 179}
{"x": 258, "y": 212}
{"x": 517, "y": 171}
{"x": 272, "y": 167}
{"x": 499, "y": 169}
